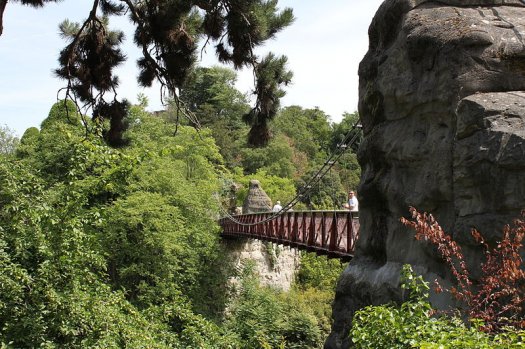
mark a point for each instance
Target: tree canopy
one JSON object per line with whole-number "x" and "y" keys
{"x": 168, "y": 33}
{"x": 8, "y": 140}
{"x": 110, "y": 248}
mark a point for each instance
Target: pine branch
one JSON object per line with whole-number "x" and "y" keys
{"x": 3, "y": 4}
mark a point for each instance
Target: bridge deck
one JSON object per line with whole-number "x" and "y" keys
{"x": 331, "y": 233}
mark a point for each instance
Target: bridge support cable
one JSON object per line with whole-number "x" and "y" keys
{"x": 347, "y": 142}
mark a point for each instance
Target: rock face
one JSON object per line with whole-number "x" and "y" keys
{"x": 276, "y": 265}
{"x": 443, "y": 110}
{"x": 256, "y": 200}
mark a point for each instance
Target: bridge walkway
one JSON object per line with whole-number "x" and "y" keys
{"x": 331, "y": 233}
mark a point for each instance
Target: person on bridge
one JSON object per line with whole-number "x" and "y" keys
{"x": 353, "y": 203}
{"x": 277, "y": 207}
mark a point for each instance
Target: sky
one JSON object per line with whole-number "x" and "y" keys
{"x": 324, "y": 47}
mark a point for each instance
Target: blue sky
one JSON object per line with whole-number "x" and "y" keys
{"x": 324, "y": 47}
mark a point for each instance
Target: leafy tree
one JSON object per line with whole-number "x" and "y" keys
{"x": 347, "y": 166}
{"x": 8, "y": 141}
{"x": 348, "y": 170}
{"x": 54, "y": 270}
{"x": 98, "y": 244}
{"x": 28, "y": 143}
{"x": 64, "y": 112}
{"x": 276, "y": 159}
{"x": 315, "y": 283}
{"x": 210, "y": 94}
{"x": 266, "y": 318}
{"x": 309, "y": 129}
{"x": 319, "y": 272}
{"x": 344, "y": 129}
{"x": 50, "y": 151}
{"x": 325, "y": 194}
{"x": 168, "y": 32}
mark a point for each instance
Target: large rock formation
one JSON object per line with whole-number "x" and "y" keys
{"x": 274, "y": 264}
{"x": 443, "y": 114}
{"x": 256, "y": 201}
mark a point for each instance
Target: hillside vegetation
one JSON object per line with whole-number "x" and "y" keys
{"x": 104, "y": 247}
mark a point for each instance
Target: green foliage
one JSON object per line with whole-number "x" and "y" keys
{"x": 319, "y": 272}
{"x": 341, "y": 130}
{"x": 277, "y": 188}
{"x": 54, "y": 271}
{"x": 349, "y": 171}
{"x": 214, "y": 289}
{"x": 64, "y": 112}
{"x": 411, "y": 325}
{"x": 170, "y": 206}
{"x": 319, "y": 303}
{"x": 275, "y": 159}
{"x": 50, "y": 151}
{"x": 265, "y": 318}
{"x": 326, "y": 194}
{"x": 309, "y": 129}
{"x": 8, "y": 141}
{"x": 315, "y": 284}
{"x": 28, "y": 143}
{"x": 347, "y": 166}
{"x": 143, "y": 232}
{"x": 210, "y": 93}
{"x": 106, "y": 248}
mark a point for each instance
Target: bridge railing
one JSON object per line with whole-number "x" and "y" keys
{"x": 325, "y": 232}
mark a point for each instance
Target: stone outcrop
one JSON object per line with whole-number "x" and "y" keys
{"x": 256, "y": 200}
{"x": 443, "y": 111}
{"x": 276, "y": 265}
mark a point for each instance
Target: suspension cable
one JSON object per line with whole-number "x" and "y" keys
{"x": 341, "y": 148}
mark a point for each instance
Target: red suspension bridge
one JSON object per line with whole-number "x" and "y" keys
{"x": 332, "y": 233}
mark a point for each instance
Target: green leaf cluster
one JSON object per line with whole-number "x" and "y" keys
{"x": 277, "y": 188}
{"x": 111, "y": 248}
{"x": 319, "y": 272}
{"x": 302, "y": 139}
{"x": 106, "y": 248}
{"x": 412, "y": 325}
{"x": 264, "y": 318}
{"x": 8, "y": 141}
{"x": 210, "y": 93}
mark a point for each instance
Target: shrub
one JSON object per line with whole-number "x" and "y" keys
{"x": 412, "y": 325}
{"x": 265, "y": 318}
{"x": 498, "y": 297}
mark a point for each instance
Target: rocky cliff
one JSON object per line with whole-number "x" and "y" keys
{"x": 442, "y": 105}
{"x": 275, "y": 265}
